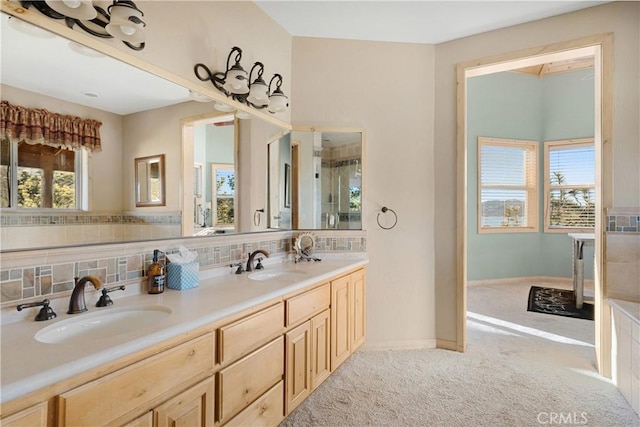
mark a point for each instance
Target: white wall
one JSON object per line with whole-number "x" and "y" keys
{"x": 620, "y": 18}
{"x": 345, "y": 83}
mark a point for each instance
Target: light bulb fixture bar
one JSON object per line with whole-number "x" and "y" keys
{"x": 122, "y": 19}
{"x": 236, "y": 84}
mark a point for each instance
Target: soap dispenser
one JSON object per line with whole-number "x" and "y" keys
{"x": 155, "y": 275}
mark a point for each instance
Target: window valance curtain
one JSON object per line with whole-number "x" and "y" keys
{"x": 39, "y": 126}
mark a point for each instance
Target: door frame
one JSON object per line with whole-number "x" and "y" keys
{"x": 601, "y": 46}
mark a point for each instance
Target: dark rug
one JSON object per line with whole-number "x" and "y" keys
{"x": 557, "y": 301}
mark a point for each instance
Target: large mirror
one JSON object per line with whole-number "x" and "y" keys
{"x": 315, "y": 180}
{"x": 143, "y": 115}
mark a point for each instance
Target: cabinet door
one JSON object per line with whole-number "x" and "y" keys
{"x": 340, "y": 335}
{"x": 358, "y": 315}
{"x": 192, "y": 408}
{"x": 320, "y": 348}
{"x": 30, "y": 417}
{"x": 298, "y": 360}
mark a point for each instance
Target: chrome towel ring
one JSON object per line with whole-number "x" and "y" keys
{"x": 385, "y": 210}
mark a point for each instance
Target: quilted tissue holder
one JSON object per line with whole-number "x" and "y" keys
{"x": 183, "y": 276}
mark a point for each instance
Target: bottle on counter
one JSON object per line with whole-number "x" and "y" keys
{"x": 155, "y": 275}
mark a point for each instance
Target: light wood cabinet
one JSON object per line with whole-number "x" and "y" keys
{"x": 320, "y": 348}
{"x": 348, "y": 316}
{"x": 358, "y": 313}
{"x": 268, "y": 410}
{"x": 192, "y": 408}
{"x": 298, "y": 359}
{"x": 244, "y": 381}
{"x": 31, "y": 417}
{"x": 149, "y": 382}
{"x": 303, "y": 306}
{"x": 245, "y": 335}
{"x": 340, "y": 348}
{"x": 249, "y": 370}
{"x": 145, "y": 420}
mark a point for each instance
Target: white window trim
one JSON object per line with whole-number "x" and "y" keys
{"x": 82, "y": 159}
{"x": 573, "y": 143}
{"x": 531, "y": 189}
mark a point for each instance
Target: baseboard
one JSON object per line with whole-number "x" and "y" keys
{"x": 399, "y": 345}
{"x": 448, "y": 345}
{"x": 507, "y": 280}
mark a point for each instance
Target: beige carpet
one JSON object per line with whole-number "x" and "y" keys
{"x": 521, "y": 369}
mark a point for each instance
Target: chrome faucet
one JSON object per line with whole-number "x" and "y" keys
{"x": 250, "y": 266}
{"x": 77, "y": 303}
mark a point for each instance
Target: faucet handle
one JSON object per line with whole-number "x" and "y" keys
{"x": 105, "y": 300}
{"x": 259, "y": 265}
{"x": 239, "y": 269}
{"x": 45, "y": 313}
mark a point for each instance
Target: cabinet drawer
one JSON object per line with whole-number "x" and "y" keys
{"x": 32, "y": 417}
{"x": 106, "y": 399}
{"x": 244, "y": 381}
{"x": 243, "y": 336}
{"x": 303, "y": 307}
{"x": 268, "y": 410}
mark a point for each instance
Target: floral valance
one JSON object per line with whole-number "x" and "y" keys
{"x": 39, "y": 126}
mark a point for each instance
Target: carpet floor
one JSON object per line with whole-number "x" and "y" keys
{"x": 521, "y": 369}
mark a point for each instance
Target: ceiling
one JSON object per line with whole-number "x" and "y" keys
{"x": 422, "y": 21}
{"x": 34, "y": 63}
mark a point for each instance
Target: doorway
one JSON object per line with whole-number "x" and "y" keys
{"x": 600, "y": 49}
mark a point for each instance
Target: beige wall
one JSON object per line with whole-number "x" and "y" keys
{"x": 387, "y": 89}
{"x": 105, "y": 167}
{"x": 622, "y": 19}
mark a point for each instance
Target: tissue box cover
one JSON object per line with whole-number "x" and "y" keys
{"x": 182, "y": 276}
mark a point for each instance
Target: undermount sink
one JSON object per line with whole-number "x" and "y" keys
{"x": 276, "y": 274}
{"x": 103, "y": 324}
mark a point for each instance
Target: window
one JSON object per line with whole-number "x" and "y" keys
{"x": 570, "y": 185}
{"x": 507, "y": 185}
{"x": 43, "y": 176}
{"x": 224, "y": 182}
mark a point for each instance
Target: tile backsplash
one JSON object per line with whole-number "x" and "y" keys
{"x": 623, "y": 220}
{"x": 50, "y": 272}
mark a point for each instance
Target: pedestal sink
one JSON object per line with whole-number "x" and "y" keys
{"x": 276, "y": 274}
{"x": 102, "y": 324}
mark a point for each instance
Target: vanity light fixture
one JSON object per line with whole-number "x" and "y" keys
{"x": 237, "y": 85}
{"x": 122, "y": 19}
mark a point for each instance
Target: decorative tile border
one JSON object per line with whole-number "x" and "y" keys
{"x": 623, "y": 220}
{"x": 51, "y": 280}
{"x": 27, "y": 220}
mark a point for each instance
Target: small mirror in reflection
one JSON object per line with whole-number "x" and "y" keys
{"x": 150, "y": 181}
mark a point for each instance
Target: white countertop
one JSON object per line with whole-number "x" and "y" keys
{"x": 29, "y": 365}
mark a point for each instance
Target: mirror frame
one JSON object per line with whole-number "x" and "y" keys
{"x": 139, "y": 161}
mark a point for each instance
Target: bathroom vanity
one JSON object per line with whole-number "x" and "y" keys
{"x": 237, "y": 350}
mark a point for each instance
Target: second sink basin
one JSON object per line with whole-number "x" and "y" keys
{"x": 276, "y": 274}
{"x": 103, "y": 324}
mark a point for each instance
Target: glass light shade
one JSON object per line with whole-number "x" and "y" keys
{"x": 237, "y": 81}
{"x": 258, "y": 95}
{"x": 223, "y": 107}
{"x": 278, "y": 102}
{"x": 122, "y": 28}
{"x": 82, "y": 10}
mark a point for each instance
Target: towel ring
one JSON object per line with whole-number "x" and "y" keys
{"x": 256, "y": 217}
{"x": 385, "y": 210}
